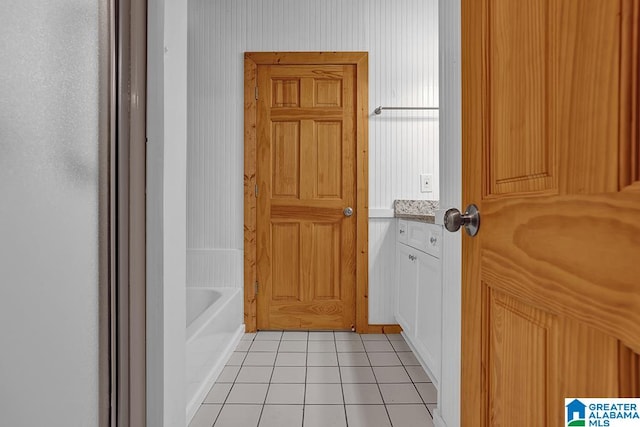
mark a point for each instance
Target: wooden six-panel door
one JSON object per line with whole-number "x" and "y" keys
{"x": 551, "y": 285}
{"x": 306, "y": 177}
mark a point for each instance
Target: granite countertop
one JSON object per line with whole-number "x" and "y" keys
{"x": 416, "y": 210}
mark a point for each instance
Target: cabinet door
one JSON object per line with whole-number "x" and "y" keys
{"x": 407, "y": 266}
{"x": 429, "y": 314}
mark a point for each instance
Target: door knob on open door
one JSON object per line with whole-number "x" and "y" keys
{"x": 470, "y": 220}
{"x": 348, "y": 211}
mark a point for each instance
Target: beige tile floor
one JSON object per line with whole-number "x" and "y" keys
{"x": 320, "y": 379}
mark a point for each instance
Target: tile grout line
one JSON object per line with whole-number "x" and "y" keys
{"x": 224, "y": 402}
{"x": 412, "y": 382}
{"x": 378, "y": 384}
{"x": 395, "y": 351}
{"x": 344, "y": 401}
{"x": 264, "y": 403}
{"x": 306, "y": 371}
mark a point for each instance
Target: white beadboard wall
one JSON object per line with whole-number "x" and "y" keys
{"x": 401, "y": 37}
{"x": 214, "y": 267}
{"x": 382, "y": 270}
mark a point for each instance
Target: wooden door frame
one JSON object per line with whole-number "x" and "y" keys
{"x": 361, "y": 62}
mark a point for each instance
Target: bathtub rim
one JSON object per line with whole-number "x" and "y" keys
{"x": 200, "y": 322}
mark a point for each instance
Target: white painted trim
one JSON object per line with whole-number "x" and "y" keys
{"x": 437, "y": 419}
{"x": 381, "y": 213}
{"x": 166, "y": 212}
{"x": 449, "y": 14}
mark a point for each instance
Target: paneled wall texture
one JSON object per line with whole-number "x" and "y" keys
{"x": 401, "y": 37}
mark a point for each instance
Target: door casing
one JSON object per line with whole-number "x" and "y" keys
{"x": 360, "y": 61}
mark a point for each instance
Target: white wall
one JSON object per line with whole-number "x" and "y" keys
{"x": 451, "y": 196}
{"x": 401, "y": 38}
{"x": 166, "y": 213}
{"x": 49, "y": 176}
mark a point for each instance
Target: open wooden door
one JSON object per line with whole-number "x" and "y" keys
{"x": 551, "y": 284}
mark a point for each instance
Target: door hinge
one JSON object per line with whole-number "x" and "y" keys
{"x": 256, "y": 93}
{"x": 256, "y": 190}
{"x": 255, "y": 286}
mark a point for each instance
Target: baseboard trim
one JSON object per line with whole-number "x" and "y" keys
{"x": 384, "y": 329}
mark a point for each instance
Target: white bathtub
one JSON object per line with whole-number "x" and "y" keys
{"x": 214, "y": 328}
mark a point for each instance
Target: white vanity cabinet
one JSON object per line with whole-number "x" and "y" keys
{"x": 419, "y": 291}
{"x": 406, "y": 303}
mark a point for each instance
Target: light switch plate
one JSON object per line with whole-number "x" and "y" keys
{"x": 426, "y": 183}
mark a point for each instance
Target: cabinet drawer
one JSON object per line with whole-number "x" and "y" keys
{"x": 401, "y": 233}
{"x": 424, "y": 237}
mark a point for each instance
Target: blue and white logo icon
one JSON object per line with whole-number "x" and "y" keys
{"x": 605, "y": 412}
{"x": 576, "y": 413}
